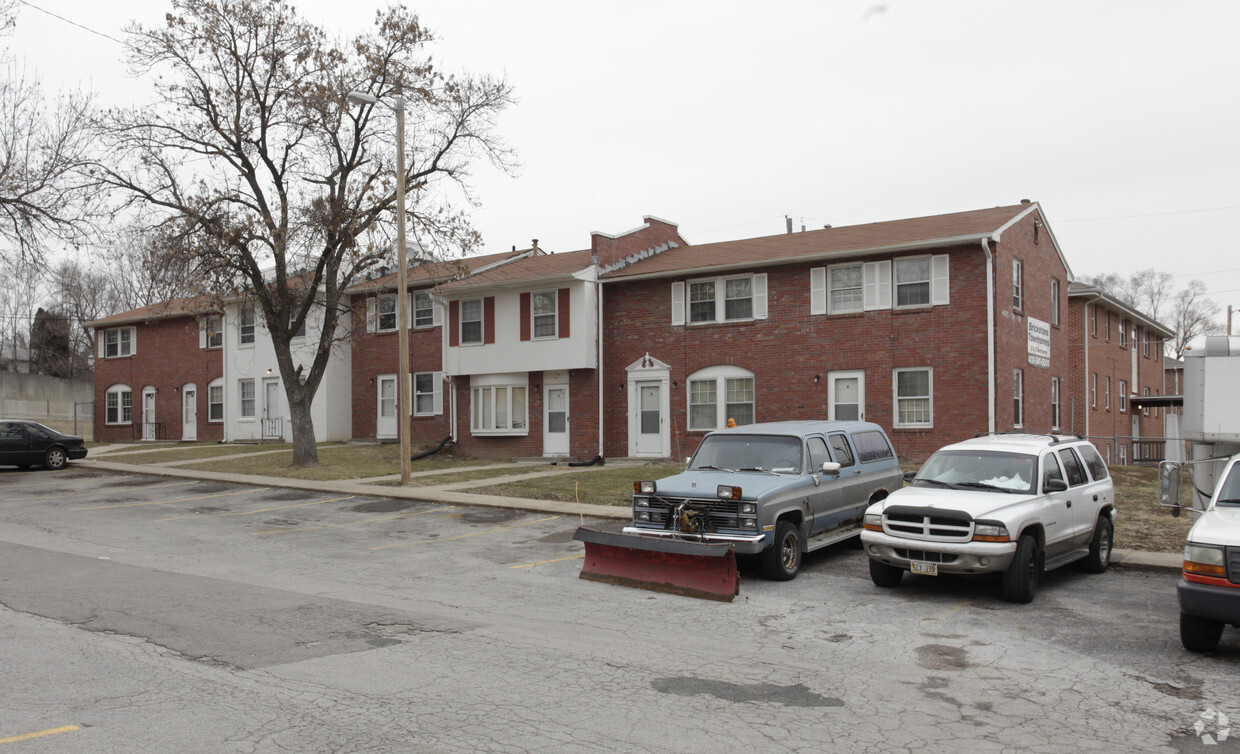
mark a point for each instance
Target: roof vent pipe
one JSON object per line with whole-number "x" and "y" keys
{"x": 788, "y": 223}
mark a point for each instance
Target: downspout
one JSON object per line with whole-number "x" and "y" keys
{"x": 598, "y": 290}
{"x": 452, "y": 407}
{"x": 990, "y": 335}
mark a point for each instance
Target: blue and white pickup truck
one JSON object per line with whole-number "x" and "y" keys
{"x": 778, "y": 489}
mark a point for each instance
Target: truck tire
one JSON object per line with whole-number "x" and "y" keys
{"x": 1099, "y": 547}
{"x": 1020, "y": 580}
{"x": 1199, "y": 634}
{"x": 782, "y": 560}
{"x": 885, "y": 575}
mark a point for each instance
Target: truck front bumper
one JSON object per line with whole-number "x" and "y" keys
{"x": 950, "y": 557}
{"x": 745, "y": 544}
{"x": 1209, "y": 601}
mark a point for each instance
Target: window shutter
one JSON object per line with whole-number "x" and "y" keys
{"x": 876, "y": 285}
{"x": 133, "y": 341}
{"x": 561, "y": 310}
{"x": 438, "y": 400}
{"x": 818, "y": 290}
{"x": 370, "y": 313}
{"x": 436, "y": 313}
{"x": 102, "y": 337}
{"x": 488, "y": 319}
{"x": 202, "y": 333}
{"x": 939, "y": 283}
{"x": 525, "y": 316}
{"x": 678, "y": 304}
{"x": 454, "y": 323}
{"x": 759, "y": 296}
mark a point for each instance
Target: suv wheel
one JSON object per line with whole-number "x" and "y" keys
{"x": 1020, "y": 580}
{"x": 885, "y": 575}
{"x": 1099, "y": 547}
{"x": 1199, "y": 634}
{"x": 782, "y": 560}
{"x": 55, "y": 458}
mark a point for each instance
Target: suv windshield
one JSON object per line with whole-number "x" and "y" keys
{"x": 1229, "y": 493}
{"x": 749, "y": 453}
{"x": 980, "y": 469}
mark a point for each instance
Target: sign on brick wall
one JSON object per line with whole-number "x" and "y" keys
{"x": 1039, "y": 342}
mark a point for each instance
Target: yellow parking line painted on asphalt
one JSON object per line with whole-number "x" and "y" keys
{"x": 300, "y": 529}
{"x": 40, "y": 734}
{"x": 169, "y": 502}
{"x": 465, "y": 536}
{"x": 555, "y": 560}
{"x": 260, "y": 510}
{"x": 109, "y": 490}
{"x": 58, "y": 482}
{"x": 948, "y": 611}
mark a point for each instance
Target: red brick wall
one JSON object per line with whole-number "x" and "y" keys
{"x": 583, "y": 421}
{"x": 167, "y": 358}
{"x": 654, "y": 234}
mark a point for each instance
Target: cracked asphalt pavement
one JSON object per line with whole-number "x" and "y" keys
{"x": 143, "y": 614}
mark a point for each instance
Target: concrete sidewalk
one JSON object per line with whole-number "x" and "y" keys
{"x": 457, "y": 493}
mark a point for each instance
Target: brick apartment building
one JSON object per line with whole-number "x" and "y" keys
{"x": 159, "y": 373}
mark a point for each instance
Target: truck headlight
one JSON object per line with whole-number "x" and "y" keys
{"x": 749, "y": 508}
{"x": 990, "y": 531}
{"x": 749, "y": 523}
{"x": 641, "y": 516}
{"x": 1204, "y": 560}
{"x": 874, "y": 521}
{"x": 727, "y": 492}
{"x": 643, "y": 488}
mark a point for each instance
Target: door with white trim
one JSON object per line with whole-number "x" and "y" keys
{"x": 273, "y": 427}
{"x": 148, "y": 415}
{"x": 189, "y": 413}
{"x": 555, "y": 420}
{"x": 846, "y": 396}
{"x": 385, "y": 424}
{"x": 649, "y": 419}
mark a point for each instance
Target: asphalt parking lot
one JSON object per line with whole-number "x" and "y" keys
{"x": 146, "y": 613}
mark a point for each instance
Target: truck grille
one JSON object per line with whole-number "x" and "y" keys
{"x": 1232, "y": 555}
{"x": 927, "y": 524}
{"x": 722, "y": 513}
{"x": 929, "y": 557}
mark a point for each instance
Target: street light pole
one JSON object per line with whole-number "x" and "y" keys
{"x": 404, "y": 395}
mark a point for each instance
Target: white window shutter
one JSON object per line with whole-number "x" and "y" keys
{"x": 102, "y": 337}
{"x": 818, "y": 290}
{"x": 436, "y": 313}
{"x": 133, "y": 341}
{"x": 759, "y": 296}
{"x": 438, "y": 400}
{"x": 370, "y": 314}
{"x": 939, "y": 287}
{"x": 202, "y": 333}
{"x": 678, "y": 304}
{"x": 876, "y": 285}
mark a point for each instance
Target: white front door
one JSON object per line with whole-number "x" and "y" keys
{"x": 189, "y": 414}
{"x": 272, "y": 425}
{"x": 846, "y": 396}
{"x": 148, "y": 415}
{"x": 385, "y": 425}
{"x": 649, "y": 419}
{"x": 555, "y": 420}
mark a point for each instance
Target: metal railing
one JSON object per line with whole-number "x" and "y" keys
{"x": 1139, "y": 451}
{"x": 273, "y": 429}
{"x": 149, "y": 431}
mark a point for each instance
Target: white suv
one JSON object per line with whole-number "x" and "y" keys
{"x": 1015, "y": 504}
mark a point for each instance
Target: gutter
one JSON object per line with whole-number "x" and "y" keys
{"x": 990, "y": 334}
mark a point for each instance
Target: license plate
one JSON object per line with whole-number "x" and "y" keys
{"x": 924, "y": 568}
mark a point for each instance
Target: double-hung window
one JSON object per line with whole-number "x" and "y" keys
{"x": 1018, "y": 397}
{"x": 1018, "y": 283}
{"x": 245, "y": 326}
{"x": 914, "y": 397}
{"x": 385, "y": 312}
{"x": 844, "y": 289}
{"x": 702, "y": 301}
{"x": 1123, "y": 333}
{"x": 423, "y": 310}
{"x": 499, "y": 409}
{"x": 118, "y": 342}
{"x": 912, "y": 282}
{"x": 118, "y": 405}
{"x": 1055, "y": 301}
{"x": 214, "y": 327}
{"x": 215, "y": 401}
{"x": 424, "y": 393}
{"x": 1055, "y": 403}
{"x": 739, "y": 298}
{"x": 471, "y": 321}
{"x": 245, "y": 393}
{"x": 719, "y": 393}
{"x": 543, "y": 305}
{"x": 1123, "y": 395}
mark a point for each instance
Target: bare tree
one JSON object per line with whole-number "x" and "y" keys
{"x": 83, "y": 294}
{"x": 19, "y": 297}
{"x": 1186, "y": 311}
{"x": 1192, "y": 315}
{"x": 272, "y": 183}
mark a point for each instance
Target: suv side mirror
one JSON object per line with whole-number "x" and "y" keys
{"x": 830, "y": 467}
{"x": 909, "y": 476}
{"x": 1054, "y": 485}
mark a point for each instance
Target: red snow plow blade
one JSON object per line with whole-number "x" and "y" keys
{"x": 693, "y": 569}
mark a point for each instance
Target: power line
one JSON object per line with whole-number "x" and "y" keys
{"x": 73, "y": 23}
{"x": 1151, "y": 214}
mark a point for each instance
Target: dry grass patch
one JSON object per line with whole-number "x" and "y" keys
{"x": 596, "y": 485}
{"x": 1142, "y": 524}
{"x": 338, "y": 462}
{"x": 188, "y": 452}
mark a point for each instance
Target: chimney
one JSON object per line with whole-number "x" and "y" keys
{"x": 537, "y": 251}
{"x": 788, "y": 223}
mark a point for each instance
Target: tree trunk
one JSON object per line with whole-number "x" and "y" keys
{"x": 305, "y": 449}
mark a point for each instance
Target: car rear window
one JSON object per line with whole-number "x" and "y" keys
{"x": 1097, "y": 469}
{"x": 843, "y": 455}
{"x": 1072, "y": 465}
{"x": 872, "y": 446}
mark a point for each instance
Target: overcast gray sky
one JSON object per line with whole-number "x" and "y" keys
{"x": 1121, "y": 117}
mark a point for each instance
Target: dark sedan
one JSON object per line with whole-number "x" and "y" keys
{"x": 24, "y": 444}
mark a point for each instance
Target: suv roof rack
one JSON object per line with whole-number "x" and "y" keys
{"x": 1055, "y": 437}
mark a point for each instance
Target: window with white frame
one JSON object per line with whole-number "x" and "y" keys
{"x": 731, "y": 299}
{"x": 1018, "y": 397}
{"x": 1107, "y": 397}
{"x": 471, "y": 321}
{"x": 702, "y": 301}
{"x": 1055, "y": 301}
{"x": 719, "y": 393}
{"x": 1093, "y": 390}
{"x": 1123, "y": 333}
{"x": 1055, "y": 418}
{"x": 1123, "y": 395}
{"x": 215, "y": 401}
{"x": 738, "y": 298}
{"x": 423, "y": 310}
{"x": 1018, "y": 283}
{"x": 1145, "y": 410}
{"x": 245, "y": 396}
{"x": 543, "y": 313}
{"x": 213, "y": 324}
{"x": 118, "y": 342}
{"x": 424, "y": 393}
{"x": 912, "y": 282}
{"x": 118, "y": 402}
{"x": 1106, "y": 326}
{"x": 245, "y": 326}
{"x": 499, "y": 409}
{"x": 1093, "y": 320}
{"x": 385, "y": 312}
{"x": 844, "y": 289}
{"x": 300, "y": 332}
{"x": 914, "y": 397}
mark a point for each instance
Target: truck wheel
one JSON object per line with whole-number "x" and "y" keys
{"x": 1099, "y": 547}
{"x": 782, "y": 560}
{"x": 1199, "y": 634}
{"x": 1020, "y": 580}
{"x": 55, "y": 458}
{"x": 885, "y": 575}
